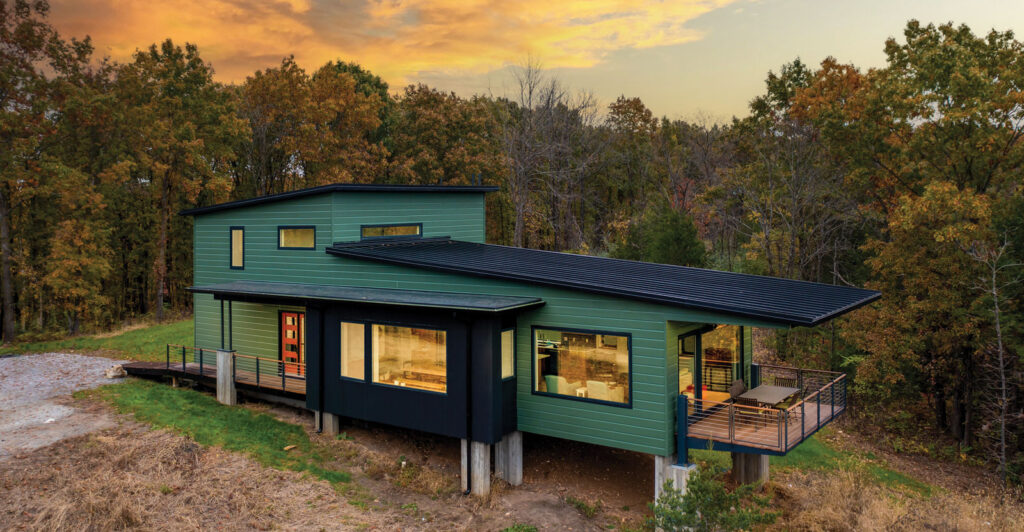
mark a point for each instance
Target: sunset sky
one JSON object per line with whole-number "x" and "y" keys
{"x": 681, "y": 57}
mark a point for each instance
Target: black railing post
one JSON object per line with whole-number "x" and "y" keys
{"x": 803, "y": 418}
{"x": 183, "y": 359}
{"x": 168, "y": 349}
{"x": 257, "y": 372}
{"x": 283, "y": 368}
{"x": 819, "y": 410}
{"x": 200, "y": 360}
{"x": 682, "y": 450}
{"x": 732, "y": 424}
{"x": 786, "y": 446}
{"x": 833, "y": 401}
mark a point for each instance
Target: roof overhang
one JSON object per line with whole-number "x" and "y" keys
{"x": 783, "y": 302}
{"x": 339, "y": 187}
{"x": 302, "y": 293}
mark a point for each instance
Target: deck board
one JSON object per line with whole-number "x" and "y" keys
{"x": 267, "y": 381}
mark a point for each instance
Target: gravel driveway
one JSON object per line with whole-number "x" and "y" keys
{"x": 35, "y": 406}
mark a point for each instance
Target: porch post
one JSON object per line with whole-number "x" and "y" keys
{"x": 666, "y": 468}
{"x": 508, "y": 458}
{"x": 476, "y": 467}
{"x": 226, "y": 393}
{"x": 748, "y": 468}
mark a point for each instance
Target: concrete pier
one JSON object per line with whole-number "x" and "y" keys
{"x": 665, "y": 468}
{"x": 508, "y": 458}
{"x": 749, "y": 468}
{"x": 226, "y": 393}
{"x": 476, "y": 467}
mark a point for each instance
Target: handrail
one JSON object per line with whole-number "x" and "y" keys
{"x": 262, "y": 372}
{"x": 272, "y": 360}
{"x": 769, "y": 429}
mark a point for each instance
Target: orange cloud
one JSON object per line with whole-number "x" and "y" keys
{"x": 395, "y": 38}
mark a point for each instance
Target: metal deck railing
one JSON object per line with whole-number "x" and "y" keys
{"x": 257, "y": 371}
{"x": 822, "y": 397}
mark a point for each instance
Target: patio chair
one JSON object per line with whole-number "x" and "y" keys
{"x": 758, "y": 415}
{"x": 789, "y": 382}
{"x": 736, "y": 389}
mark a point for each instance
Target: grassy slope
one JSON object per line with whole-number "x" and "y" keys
{"x": 200, "y": 417}
{"x": 815, "y": 454}
{"x": 146, "y": 343}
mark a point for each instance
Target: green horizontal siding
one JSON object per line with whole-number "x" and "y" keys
{"x": 646, "y": 427}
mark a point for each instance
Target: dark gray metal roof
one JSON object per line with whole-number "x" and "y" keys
{"x": 379, "y": 296}
{"x": 337, "y": 187}
{"x": 781, "y": 301}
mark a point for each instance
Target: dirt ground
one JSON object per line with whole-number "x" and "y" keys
{"x": 113, "y": 473}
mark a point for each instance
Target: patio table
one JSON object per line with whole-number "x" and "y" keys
{"x": 768, "y": 394}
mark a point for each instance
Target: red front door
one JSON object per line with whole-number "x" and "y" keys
{"x": 293, "y": 342}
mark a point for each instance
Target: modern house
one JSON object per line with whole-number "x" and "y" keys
{"x": 385, "y": 304}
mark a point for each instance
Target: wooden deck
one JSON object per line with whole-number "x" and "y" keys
{"x": 292, "y": 384}
{"x": 761, "y": 429}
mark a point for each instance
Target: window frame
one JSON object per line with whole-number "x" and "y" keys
{"x": 533, "y": 365}
{"x": 231, "y": 247}
{"x": 419, "y": 225}
{"x": 502, "y": 368}
{"x": 370, "y": 377}
{"x": 282, "y": 227}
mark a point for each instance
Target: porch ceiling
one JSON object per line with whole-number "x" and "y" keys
{"x": 379, "y": 296}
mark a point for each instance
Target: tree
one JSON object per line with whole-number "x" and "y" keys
{"x": 998, "y": 369}
{"x": 185, "y": 126}
{"x": 442, "y": 139}
{"x": 29, "y": 48}
{"x": 922, "y": 336}
{"x": 666, "y": 236}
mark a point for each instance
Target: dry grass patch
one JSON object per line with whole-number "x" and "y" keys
{"x": 134, "y": 478}
{"x": 854, "y": 500}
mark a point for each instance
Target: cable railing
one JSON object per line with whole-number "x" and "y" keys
{"x": 777, "y": 429}
{"x": 260, "y": 372}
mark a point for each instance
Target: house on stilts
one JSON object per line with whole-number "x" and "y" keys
{"x": 384, "y": 303}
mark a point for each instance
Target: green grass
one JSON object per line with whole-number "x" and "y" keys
{"x": 200, "y": 417}
{"x": 146, "y": 343}
{"x": 816, "y": 455}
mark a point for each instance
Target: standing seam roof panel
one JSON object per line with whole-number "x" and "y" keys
{"x": 786, "y": 301}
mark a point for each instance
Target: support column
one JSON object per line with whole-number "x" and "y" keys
{"x": 332, "y": 423}
{"x": 508, "y": 458}
{"x": 476, "y": 467}
{"x": 226, "y": 393}
{"x": 665, "y": 468}
{"x": 480, "y": 456}
{"x": 748, "y": 468}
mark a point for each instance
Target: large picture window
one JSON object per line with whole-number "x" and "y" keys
{"x": 410, "y": 357}
{"x": 353, "y": 350}
{"x": 296, "y": 237}
{"x": 237, "y": 248}
{"x": 587, "y": 365}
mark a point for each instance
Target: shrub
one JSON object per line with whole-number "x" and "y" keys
{"x": 708, "y": 506}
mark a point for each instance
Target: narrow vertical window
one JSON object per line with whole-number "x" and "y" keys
{"x": 353, "y": 350}
{"x": 237, "y": 248}
{"x": 508, "y": 351}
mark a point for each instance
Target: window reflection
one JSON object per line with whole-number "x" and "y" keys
{"x": 587, "y": 365}
{"x": 406, "y": 356}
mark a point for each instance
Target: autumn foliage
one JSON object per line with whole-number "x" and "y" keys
{"x": 905, "y": 178}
